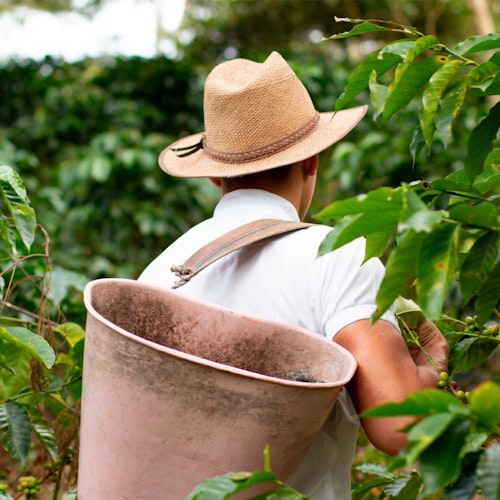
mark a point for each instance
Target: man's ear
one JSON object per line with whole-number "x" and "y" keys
{"x": 216, "y": 181}
{"x": 310, "y": 165}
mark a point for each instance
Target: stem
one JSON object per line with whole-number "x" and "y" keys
{"x": 447, "y": 50}
{"x": 415, "y": 339}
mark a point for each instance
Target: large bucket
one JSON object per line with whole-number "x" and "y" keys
{"x": 176, "y": 390}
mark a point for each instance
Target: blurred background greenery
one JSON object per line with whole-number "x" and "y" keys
{"x": 85, "y": 134}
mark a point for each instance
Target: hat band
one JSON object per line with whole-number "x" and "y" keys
{"x": 253, "y": 154}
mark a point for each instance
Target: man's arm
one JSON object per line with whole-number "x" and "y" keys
{"x": 389, "y": 372}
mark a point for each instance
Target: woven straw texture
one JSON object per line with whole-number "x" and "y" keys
{"x": 258, "y": 116}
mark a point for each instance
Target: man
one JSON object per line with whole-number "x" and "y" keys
{"x": 260, "y": 146}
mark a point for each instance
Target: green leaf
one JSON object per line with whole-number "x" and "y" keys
{"x": 448, "y": 185}
{"x": 400, "y": 266}
{"x": 424, "y": 402}
{"x": 482, "y": 76}
{"x": 404, "y": 488}
{"x": 30, "y": 343}
{"x": 432, "y": 95}
{"x": 377, "y": 242}
{"x": 360, "y": 76}
{"x": 487, "y": 180}
{"x": 488, "y": 472}
{"x": 424, "y": 433}
{"x": 481, "y": 215}
{"x": 378, "y": 202}
{"x": 484, "y": 403}
{"x": 378, "y": 95}
{"x": 221, "y": 487}
{"x": 408, "y": 311}
{"x": 487, "y": 296}
{"x": 15, "y": 430}
{"x": 376, "y": 469}
{"x": 481, "y": 143}
{"x": 478, "y": 43}
{"x": 47, "y": 438}
{"x": 449, "y": 107}
{"x": 470, "y": 352}
{"x": 436, "y": 262}
{"x": 478, "y": 264}
{"x": 18, "y": 204}
{"x": 438, "y": 462}
{"x": 409, "y": 80}
{"x": 359, "y": 490}
{"x": 416, "y": 216}
{"x": 359, "y": 29}
{"x": 71, "y": 332}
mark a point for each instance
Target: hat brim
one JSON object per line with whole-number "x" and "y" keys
{"x": 331, "y": 128}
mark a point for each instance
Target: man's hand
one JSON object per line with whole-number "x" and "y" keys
{"x": 433, "y": 343}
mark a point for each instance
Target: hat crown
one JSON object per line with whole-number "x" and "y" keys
{"x": 251, "y": 105}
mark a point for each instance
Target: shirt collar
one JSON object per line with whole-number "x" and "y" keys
{"x": 246, "y": 205}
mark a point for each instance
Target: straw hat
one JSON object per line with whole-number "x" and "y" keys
{"x": 258, "y": 116}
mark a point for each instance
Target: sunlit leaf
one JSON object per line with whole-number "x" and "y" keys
{"x": 360, "y": 76}
{"x": 18, "y": 204}
{"x": 483, "y": 76}
{"x": 378, "y": 95}
{"x": 436, "y": 263}
{"x": 408, "y": 311}
{"x": 481, "y": 142}
{"x": 484, "y": 403}
{"x": 424, "y": 402}
{"x": 488, "y": 472}
{"x": 409, "y": 80}
{"x": 400, "y": 266}
{"x": 359, "y": 29}
{"x": 378, "y": 201}
{"x": 432, "y": 94}
{"x": 416, "y": 216}
{"x": 72, "y": 332}
{"x": 449, "y": 108}
{"x": 15, "y": 430}
{"x": 478, "y": 43}
{"x": 30, "y": 343}
{"x": 478, "y": 264}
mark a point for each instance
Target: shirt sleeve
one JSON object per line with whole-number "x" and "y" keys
{"x": 349, "y": 287}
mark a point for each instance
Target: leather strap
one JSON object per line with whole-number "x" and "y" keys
{"x": 233, "y": 240}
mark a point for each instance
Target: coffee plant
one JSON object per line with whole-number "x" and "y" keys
{"x": 443, "y": 234}
{"x": 40, "y": 354}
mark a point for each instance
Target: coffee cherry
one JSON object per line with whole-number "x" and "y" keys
{"x": 444, "y": 376}
{"x": 29, "y": 486}
{"x": 491, "y": 330}
{"x": 442, "y": 384}
{"x": 453, "y": 384}
{"x": 460, "y": 395}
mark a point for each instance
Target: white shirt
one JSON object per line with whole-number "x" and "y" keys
{"x": 284, "y": 279}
